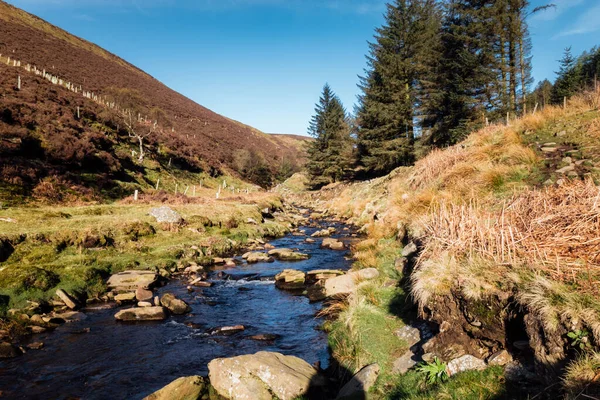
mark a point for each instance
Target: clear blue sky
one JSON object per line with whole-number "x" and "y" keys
{"x": 264, "y": 62}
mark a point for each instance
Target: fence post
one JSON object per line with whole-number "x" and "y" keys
{"x": 565, "y": 102}
{"x": 135, "y": 195}
{"x": 157, "y": 182}
{"x": 19, "y": 82}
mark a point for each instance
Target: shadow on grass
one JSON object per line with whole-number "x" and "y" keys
{"x": 327, "y": 385}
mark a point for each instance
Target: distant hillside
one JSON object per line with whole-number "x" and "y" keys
{"x": 42, "y": 136}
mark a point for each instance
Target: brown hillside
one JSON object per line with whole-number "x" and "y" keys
{"x": 197, "y": 137}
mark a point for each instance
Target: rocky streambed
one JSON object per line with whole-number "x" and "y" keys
{"x": 239, "y": 306}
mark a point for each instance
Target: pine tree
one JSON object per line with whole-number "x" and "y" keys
{"x": 330, "y": 154}
{"x": 466, "y": 73}
{"x": 396, "y": 85}
{"x": 541, "y": 95}
{"x": 568, "y": 80}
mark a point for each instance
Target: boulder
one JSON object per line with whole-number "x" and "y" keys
{"x": 175, "y": 305}
{"x": 129, "y": 281}
{"x": 67, "y": 299}
{"x": 465, "y": 363}
{"x": 200, "y": 283}
{"x": 333, "y": 244}
{"x": 142, "y": 314}
{"x": 409, "y": 250}
{"x": 288, "y": 255}
{"x": 360, "y": 383}
{"x": 257, "y": 257}
{"x": 404, "y": 363}
{"x": 316, "y": 275}
{"x": 501, "y": 358}
{"x": 142, "y": 294}
{"x": 125, "y": 297}
{"x": 35, "y": 346}
{"x": 264, "y": 337}
{"x": 69, "y": 316}
{"x": 549, "y": 149}
{"x": 346, "y": 284}
{"x": 409, "y": 334}
{"x": 564, "y": 170}
{"x": 290, "y": 279}
{"x": 186, "y": 388}
{"x": 167, "y": 215}
{"x": 262, "y": 376}
{"x": 144, "y": 304}
{"x": 321, "y": 233}
{"x": 309, "y": 240}
{"x": 8, "y": 350}
{"x": 228, "y": 330}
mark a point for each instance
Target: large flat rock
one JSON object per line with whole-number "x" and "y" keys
{"x": 346, "y": 284}
{"x": 129, "y": 281}
{"x": 262, "y": 376}
{"x": 142, "y": 314}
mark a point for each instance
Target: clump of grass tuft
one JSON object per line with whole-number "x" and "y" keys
{"x": 583, "y": 377}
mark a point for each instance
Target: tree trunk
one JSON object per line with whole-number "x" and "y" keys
{"x": 141, "y": 140}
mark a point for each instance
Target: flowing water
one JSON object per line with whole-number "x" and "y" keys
{"x": 131, "y": 360}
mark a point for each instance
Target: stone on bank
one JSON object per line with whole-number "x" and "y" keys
{"x": 142, "y": 314}
{"x": 262, "y": 376}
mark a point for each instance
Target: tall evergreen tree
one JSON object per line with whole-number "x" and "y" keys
{"x": 568, "y": 80}
{"x": 330, "y": 154}
{"x": 467, "y": 68}
{"x": 396, "y": 85}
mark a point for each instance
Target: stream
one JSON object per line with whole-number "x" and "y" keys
{"x": 131, "y": 360}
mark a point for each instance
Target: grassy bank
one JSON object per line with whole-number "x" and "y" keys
{"x": 76, "y": 248}
{"x": 510, "y": 217}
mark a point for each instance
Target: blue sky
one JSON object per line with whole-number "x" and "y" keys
{"x": 264, "y": 62}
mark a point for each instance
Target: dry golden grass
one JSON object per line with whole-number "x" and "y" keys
{"x": 554, "y": 232}
{"x": 582, "y": 379}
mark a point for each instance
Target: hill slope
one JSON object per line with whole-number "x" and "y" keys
{"x": 43, "y": 114}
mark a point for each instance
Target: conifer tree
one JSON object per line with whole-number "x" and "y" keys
{"x": 467, "y": 69}
{"x": 396, "y": 85}
{"x": 568, "y": 80}
{"x": 330, "y": 154}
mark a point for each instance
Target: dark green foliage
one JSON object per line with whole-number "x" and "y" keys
{"x": 541, "y": 95}
{"x": 568, "y": 81}
{"x": 253, "y": 167}
{"x": 435, "y": 372}
{"x": 397, "y": 84}
{"x": 576, "y": 74}
{"x": 330, "y": 154}
{"x": 466, "y": 68}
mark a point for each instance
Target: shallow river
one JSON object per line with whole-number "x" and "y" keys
{"x": 131, "y": 360}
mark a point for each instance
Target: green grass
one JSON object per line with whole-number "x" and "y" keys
{"x": 472, "y": 385}
{"x": 55, "y": 254}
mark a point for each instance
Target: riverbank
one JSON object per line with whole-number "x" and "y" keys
{"x": 77, "y": 248}
{"x": 489, "y": 244}
{"x": 227, "y": 306}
